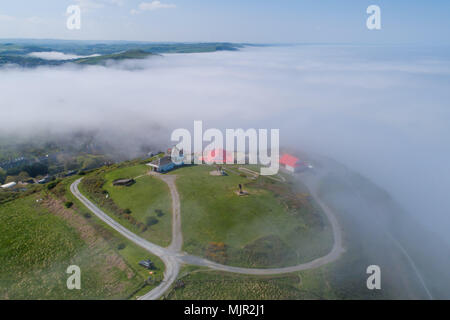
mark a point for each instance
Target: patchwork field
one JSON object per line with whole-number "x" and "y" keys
{"x": 40, "y": 238}
{"x": 276, "y": 224}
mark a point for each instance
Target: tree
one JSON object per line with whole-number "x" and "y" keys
{"x": 23, "y": 176}
{"x": 10, "y": 179}
{"x": 68, "y": 204}
{"x": 2, "y": 176}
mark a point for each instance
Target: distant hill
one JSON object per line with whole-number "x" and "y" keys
{"x": 17, "y": 51}
{"x": 130, "y": 54}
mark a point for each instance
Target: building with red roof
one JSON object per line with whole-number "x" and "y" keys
{"x": 218, "y": 156}
{"x": 291, "y": 163}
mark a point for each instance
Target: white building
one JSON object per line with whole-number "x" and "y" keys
{"x": 8, "y": 185}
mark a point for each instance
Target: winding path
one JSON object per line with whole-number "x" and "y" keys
{"x": 173, "y": 257}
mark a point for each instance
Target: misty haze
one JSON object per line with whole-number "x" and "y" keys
{"x": 381, "y": 115}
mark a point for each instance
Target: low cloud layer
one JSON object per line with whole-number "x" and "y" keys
{"x": 55, "y": 55}
{"x": 382, "y": 111}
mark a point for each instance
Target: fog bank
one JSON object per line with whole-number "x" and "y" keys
{"x": 382, "y": 111}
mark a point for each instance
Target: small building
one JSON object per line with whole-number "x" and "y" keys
{"x": 147, "y": 264}
{"x": 124, "y": 182}
{"x": 70, "y": 173}
{"x": 293, "y": 164}
{"x": 164, "y": 164}
{"x": 8, "y": 185}
{"x": 45, "y": 180}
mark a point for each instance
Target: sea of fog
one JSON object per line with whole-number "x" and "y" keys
{"x": 383, "y": 111}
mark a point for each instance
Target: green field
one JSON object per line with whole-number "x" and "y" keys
{"x": 143, "y": 198}
{"x": 148, "y": 198}
{"x": 277, "y": 224}
{"x": 201, "y": 284}
{"x": 38, "y": 244}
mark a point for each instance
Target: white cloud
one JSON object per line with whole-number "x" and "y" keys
{"x": 55, "y": 55}
{"x": 154, "y": 5}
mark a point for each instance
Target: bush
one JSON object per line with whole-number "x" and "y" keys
{"x": 87, "y": 215}
{"x": 68, "y": 204}
{"x": 127, "y": 211}
{"x": 159, "y": 212}
{"x": 150, "y": 221}
{"x": 52, "y": 184}
{"x": 121, "y": 246}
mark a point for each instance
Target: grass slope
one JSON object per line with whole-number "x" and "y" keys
{"x": 143, "y": 198}
{"x": 148, "y": 198}
{"x": 268, "y": 228}
{"x": 38, "y": 246}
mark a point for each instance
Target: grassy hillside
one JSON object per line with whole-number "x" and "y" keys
{"x": 277, "y": 224}
{"x": 130, "y": 54}
{"x": 144, "y": 207}
{"x": 37, "y": 247}
{"x": 41, "y": 237}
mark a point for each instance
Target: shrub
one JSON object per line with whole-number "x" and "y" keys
{"x": 121, "y": 246}
{"x": 150, "y": 221}
{"x": 127, "y": 211}
{"x": 87, "y": 215}
{"x": 52, "y": 184}
{"x": 159, "y": 212}
{"x": 68, "y": 204}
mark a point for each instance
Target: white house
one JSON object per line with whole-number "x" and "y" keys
{"x": 8, "y": 185}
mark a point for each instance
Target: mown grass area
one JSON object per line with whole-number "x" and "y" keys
{"x": 277, "y": 224}
{"x": 200, "y": 284}
{"x": 39, "y": 240}
{"x": 339, "y": 280}
{"x": 144, "y": 207}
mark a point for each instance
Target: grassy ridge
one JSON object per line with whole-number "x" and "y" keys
{"x": 265, "y": 229}
{"x": 130, "y": 54}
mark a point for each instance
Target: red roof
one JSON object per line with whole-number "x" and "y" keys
{"x": 218, "y": 156}
{"x": 289, "y": 160}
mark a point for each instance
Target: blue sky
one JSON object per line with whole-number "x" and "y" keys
{"x": 292, "y": 21}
